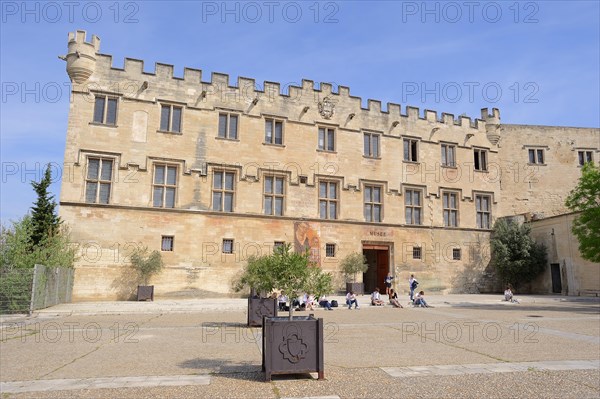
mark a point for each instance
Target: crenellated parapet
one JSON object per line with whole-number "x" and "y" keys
{"x": 306, "y": 102}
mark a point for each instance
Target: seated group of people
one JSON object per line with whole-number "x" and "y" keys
{"x": 419, "y": 299}
{"x": 303, "y": 302}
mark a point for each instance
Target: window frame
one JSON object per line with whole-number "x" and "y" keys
{"x": 330, "y": 250}
{"x": 169, "y": 239}
{"x": 99, "y": 181}
{"x": 369, "y": 152}
{"x": 413, "y": 149}
{"x": 447, "y": 148}
{"x": 456, "y": 251}
{"x": 412, "y": 206}
{"x": 328, "y": 200}
{"x": 223, "y": 190}
{"x": 372, "y": 203}
{"x": 228, "y": 116}
{"x": 273, "y": 122}
{"x": 478, "y": 160}
{"x": 449, "y": 210}
{"x": 228, "y": 241}
{"x": 165, "y": 186}
{"x": 487, "y": 212}
{"x": 533, "y": 156}
{"x": 417, "y": 253}
{"x": 327, "y": 143}
{"x": 582, "y": 155}
{"x": 106, "y": 98}
{"x": 170, "y": 117}
{"x": 273, "y": 194}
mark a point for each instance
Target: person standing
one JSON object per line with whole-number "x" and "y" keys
{"x": 388, "y": 283}
{"x": 412, "y": 285}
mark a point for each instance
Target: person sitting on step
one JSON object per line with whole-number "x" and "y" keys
{"x": 376, "y": 298}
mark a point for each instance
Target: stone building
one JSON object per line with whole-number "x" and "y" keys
{"x": 211, "y": 172}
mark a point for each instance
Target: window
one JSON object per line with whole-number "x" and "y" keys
{"x": 371, "y": 145}
{"x": 584, "y": 157}
{"x": 328, "y": 200}
{"x": 455, "y": 253}
{"x": 480, "y": 159}
{"x": 170, "y": 118}
{"x": 227, "y": 246}
{"x": 330, "y": 250}
{"x": 410, "y": 150}
{"x": 536, "y": 156}
{"x": 273, "y": 131}
{"x": 412, "y": 206}
{"x": 278, "y": 244}
{"x": 326, "y": 139}
{"x": 223, "y": 191}
{"x": 416, "y": 252}
{"x": 228, "y": 126}
{"x": 450, "y": 205}
{"x": 105, "y": 110}
{"x": 273, "y": 195}
{"x": 164, "y": 187}
{"x": 483, "y": 208}
{"x": 167, "y": 243}
{"x": 448, "y": 155}
{"x": 98, "y": 180}
{"x": 373, "y": 205}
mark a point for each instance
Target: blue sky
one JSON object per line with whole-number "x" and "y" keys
{"x": 539, "y": 62}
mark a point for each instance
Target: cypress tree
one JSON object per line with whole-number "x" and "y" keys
{"x": 43, "y": 213}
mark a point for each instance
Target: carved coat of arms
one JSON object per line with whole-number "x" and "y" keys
{"x": 326, "y": 107}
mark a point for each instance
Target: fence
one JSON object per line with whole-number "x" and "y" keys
{"x": 26, "y": 290}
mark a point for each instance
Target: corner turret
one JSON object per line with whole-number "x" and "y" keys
{"x": 81, "y": 58}
{"x": 492, "y": 124}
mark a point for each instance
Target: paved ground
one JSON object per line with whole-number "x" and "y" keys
{"x": 466, "y": 346}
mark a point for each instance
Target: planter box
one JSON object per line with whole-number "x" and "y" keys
{"x": 145, "y": 292}
{"x": 292, "y": 347}
{"x": 259, "y": 307}
{"x": 357, "y": 288}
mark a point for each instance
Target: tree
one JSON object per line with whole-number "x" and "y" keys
{"x": 285, "y": 270}
{"x": 44, "y": 220}
{"x": 352, "y": 264}
{"x": 146, "y": 265}
{"x": 515, "y": 255}
{"x": 585, "y": 198}
{"x": 18, "y": 251}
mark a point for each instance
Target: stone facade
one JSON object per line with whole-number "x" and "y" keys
{"x": 569, "y": 273}
{"x": 154, "y": 160}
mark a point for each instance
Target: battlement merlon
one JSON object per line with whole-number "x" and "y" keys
{"x": 79, "y": 38}
{"x": 84, "y": 59}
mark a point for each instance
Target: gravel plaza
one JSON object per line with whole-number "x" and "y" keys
{"x": 466, "y": 346}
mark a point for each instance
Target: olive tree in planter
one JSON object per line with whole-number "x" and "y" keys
{"x": 351, "y": 265}
{"x": 256, "y": 276}
{"x": 292, "y": 344}
{"x": 146, "y": 265}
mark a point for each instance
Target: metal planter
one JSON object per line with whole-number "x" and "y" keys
{"x": 292, "y": 347}
{"x": 145, "y": 292}
{"x": 357, "y": 288}
{"x": 259, "y": 307}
